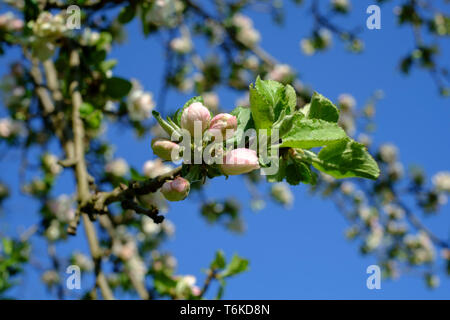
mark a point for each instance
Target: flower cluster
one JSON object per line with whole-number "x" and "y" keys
{"x": 281, "y": 73}
{"x": 117, "y": 167}
{"x": 9, "y": 23}
{"x": 195, "y": 124}
{"x": 182, "y": 45}
{"x": 62, "y": 208}
{"x": 9, "y": 128}
{"x": 320, "y": 40}
{"x": 246, "y": 33}
{"x": 441, "y": 181}
{"x": 47, "y": 29}
{"x": 140, "y": 103}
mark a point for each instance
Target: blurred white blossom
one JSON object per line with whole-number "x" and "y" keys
{"x": 441, "y": 181}
{"x": 117, "y": 167}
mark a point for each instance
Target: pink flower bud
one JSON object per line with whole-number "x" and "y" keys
{"x": 195, "y": 114}
{"x": 239, "y": 161}
{"x": 224, "y": 124}
{"x": 176, "y": 190}
{"x": 164, "y": 149}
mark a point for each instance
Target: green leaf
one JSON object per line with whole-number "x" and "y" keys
{"x": 117, "y": 88}
{"x": 299, "y": 172}
{"x": 270, "y": 101}
{"x": 219, "y": 261}
{"x": 236, "y": 266}
{"x": 244, "y": 122}
{"x": 127, "y": 14}
{"x": 135, "y": 175}
{"x": 163, "y": 283}
{"x": 31, "y": 10}
{"x": 281, "y": 172}
{"x": 107, "y": 65}
{"x": 94, "y": 120}
{"x": 290, "y": 97}
{"x": 221, "y": 289}
{"x": 86, "y": 109}
{"x": 347, "y": 158}
{"x": 310, "y": 133}
{"x": 167, "y": 127}
{"x": 322, "y": 108}
{"x": 265, "y": 102}
{"x": 7, "y": 246}
{"x": 285, "y": 122}
{"x": 243, "y": 116}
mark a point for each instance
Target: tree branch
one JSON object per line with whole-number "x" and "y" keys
{"x": 82, "y": 179}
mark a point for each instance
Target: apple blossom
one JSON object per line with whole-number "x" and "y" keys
{"x": 118, "y": 167}
{"x": 165, "y": 149}
{"x": 223, "y": 123}
{"x": 154, "y": 168}
{"x": 211, "y": 100}
{"x": 195, "y": 114}
{"x": 176, "y": 190}
{"x": 140, "y": 103}
{"x": 441, "y": 181}
{"x": 239, "y": 161}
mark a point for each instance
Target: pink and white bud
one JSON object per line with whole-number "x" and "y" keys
{"x": 166, "y": 149}
{"x": 224, "y": 124}
{"x": 176, "y": 190}
{"x": 239, "y": 161}
{"x": 195, "y": 114}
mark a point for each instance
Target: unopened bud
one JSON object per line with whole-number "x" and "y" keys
{"x": 166, "y": 149}
{"x": 176, "y": 190}
{"x": 195, "y": 113}
{"x": 239, "y": 161}
{"x": 224, "y": 124}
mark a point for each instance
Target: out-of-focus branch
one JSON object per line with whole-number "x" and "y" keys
{"x": 415, "y": 221}
{"x": 106, "y": 223}
{"x": 83, "y": 180}
{"x": 323, "y": 21}
{"x": 211, "y": 276}
{"x": 262, "y": 54}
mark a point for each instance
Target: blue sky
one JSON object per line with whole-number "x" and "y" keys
{"x": 303, "y": 255}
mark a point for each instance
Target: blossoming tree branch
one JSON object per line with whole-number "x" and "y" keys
{"x": 62, "y": 93}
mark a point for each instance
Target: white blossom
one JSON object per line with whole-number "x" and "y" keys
{"x": 441, "y": 181}
{"x": 62, "y": 208}
{"x": 211, "y": 100}
{"x": 137, "y": 267}
{"x": 181, "y": 44}
{"x": 388, "y": 152}
{"x": 307, "y": 47}
{"x": 346, "y": 102}
{"x": 118, "y": 167}
{"x": 149, "y": 227}
{"x": 282, "y": 193}
{"x": 53, "y": 232}
{"x": 280, "y": 72}
{"x": 50, "y": 277}
{"x": 140, "y": 103}
{"x": 48, "y": 25}
{"x": 84, "y": 262}
{"x": 347, "y": 187}
{"x": 89, "y": 37}
{"x": 10, "y": 23}
{"x": 154, "y": 168}
{"x": 50, "y": 162}
{"x": 246, "y": 34}
{"x": 9, "y": 128}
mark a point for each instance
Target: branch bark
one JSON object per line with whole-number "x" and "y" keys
{"x": 82, "y": 179}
